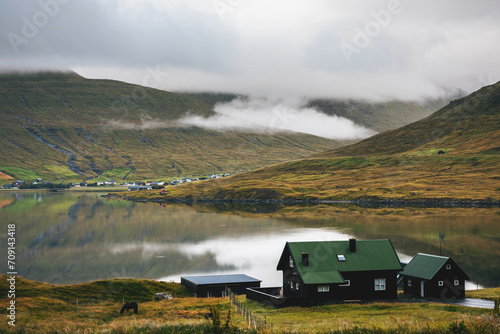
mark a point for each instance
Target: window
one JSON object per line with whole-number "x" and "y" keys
{"x": 341, "y": 257}
{"x": 379, "y": 284}
{"x": 440, "y": 283}
{"x": 456, "y": 282}
{"x": 297, "y": 286}
{"x": 409, "y": 282}
{"x": 291, "y": 285}
{"x": 448, "y": 266}
{"x": 291, "y": 261}
{"x": 347, "y": 283}
{"x": 323, "y": 288}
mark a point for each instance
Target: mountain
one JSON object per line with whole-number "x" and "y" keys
{"x": 379, "y": 116}
{"x": 464, "y": 126}
{"x": 453, "y": 154}
{"x": 61, "y": 126}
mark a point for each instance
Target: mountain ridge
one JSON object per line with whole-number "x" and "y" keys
{"x": 451, "y": 156}
{"x": 63, "y": 127}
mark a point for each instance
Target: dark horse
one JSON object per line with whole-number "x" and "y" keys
{"x": 129, "y": 306}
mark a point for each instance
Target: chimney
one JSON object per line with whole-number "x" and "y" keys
{"x": 352, "y": 245}
{"x": 305, "y": 259}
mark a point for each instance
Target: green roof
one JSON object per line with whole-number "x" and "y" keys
{"x": 424, "y": 266}
{"x": 325, "y": 267}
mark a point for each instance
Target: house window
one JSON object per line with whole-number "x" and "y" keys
{"x": 346, "y": 283}
{"x": 291, "y": 261}
{"x": 341, "y": 257}
{"x": 456, "y": 282}
{"x": 448, "y": 266}
{"x": 323, "y": 288}
{"x": 379, "y": 284}
{"x": 440, "y": 283}
{"x": 297, "y": 286}
{"x": 291, "y": 285}
{"x": 409, "y": 282}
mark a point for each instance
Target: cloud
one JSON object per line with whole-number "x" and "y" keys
{"x": 273, "y": 115}
{"x": 146, "y": 122}
{"x": 372, "y": 49}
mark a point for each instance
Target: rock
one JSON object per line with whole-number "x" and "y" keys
{"x": 163, "y": 295}
{"x": 440, "y": 152}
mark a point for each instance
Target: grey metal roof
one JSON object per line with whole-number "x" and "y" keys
{"x": 220, "y": 279}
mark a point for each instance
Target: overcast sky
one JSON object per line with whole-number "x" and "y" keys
{"x": 374, "y": 49}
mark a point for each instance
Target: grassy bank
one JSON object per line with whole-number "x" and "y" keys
{"x": 94, "y": 308}
{"x": 429, "y": 178}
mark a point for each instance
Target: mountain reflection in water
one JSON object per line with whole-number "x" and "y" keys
{"x": 73, "y": 237}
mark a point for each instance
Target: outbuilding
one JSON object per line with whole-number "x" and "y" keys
{"x": 434, "y": 276}
{"x": 216, "y": 285}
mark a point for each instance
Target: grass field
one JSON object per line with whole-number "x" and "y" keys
{"x": 94, "y": 308}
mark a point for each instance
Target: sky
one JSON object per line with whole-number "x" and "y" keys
{"x": 280, "y": 50}
{"x": 371, "y": 49}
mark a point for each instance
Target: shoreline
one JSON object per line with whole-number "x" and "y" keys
{"x": 375, "y": 202}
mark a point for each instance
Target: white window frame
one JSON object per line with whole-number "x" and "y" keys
{"x": 290, "y": 261}
{"x": 347, "y": 283}
{"x": 323, "y": 288}
{"x": 440, "y": 283}
{"x": 456, "y": 282}
{"x": 297, "y": 286}
{"x": 291, "y": 285}
{"x": 341, "y": 257}
{"x": 409, "y": 282}
{"x": 380, "y": 284}
{"x": 448, "y": 266}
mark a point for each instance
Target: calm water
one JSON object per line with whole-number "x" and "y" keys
{"x": 75, "y": 237}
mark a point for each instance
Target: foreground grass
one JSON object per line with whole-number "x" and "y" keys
{"x": 45, "y": 308}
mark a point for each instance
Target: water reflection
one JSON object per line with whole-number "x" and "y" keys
{"x": 256, "y": 256}
{"x": 76, "y": 237}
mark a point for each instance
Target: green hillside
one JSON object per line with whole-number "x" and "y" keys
{"x": 379, "y": 116}
{"x": 401, "y": 164}
{"x": 63, "y": 127}
{"x": 467, "y": 125}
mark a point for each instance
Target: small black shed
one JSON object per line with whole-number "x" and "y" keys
{"x": 434, "y": 276}
{"x": 215, "y": 285}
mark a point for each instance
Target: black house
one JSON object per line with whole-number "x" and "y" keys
{"x": 318, "y": 272}
{"x": 434, "y": 276}
{"x": 215, "y": 285}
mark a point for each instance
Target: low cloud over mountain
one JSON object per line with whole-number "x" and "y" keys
{"x": 275, "y": 115}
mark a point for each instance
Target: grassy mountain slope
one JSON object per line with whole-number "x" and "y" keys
{"x": 467, "y": 125}
{"x": 61, "y": 126}
{"x": 401, "y": 164}
{"x": 379, "y": 116}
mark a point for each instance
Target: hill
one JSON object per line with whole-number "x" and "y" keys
{"x": 380, "y": 116}
{"x": 401, "y": 164}
{"x": 61, "y": 126}
{"x": 467, "y": 125}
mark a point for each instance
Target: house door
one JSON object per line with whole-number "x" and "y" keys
{"x": 422, "y": 289}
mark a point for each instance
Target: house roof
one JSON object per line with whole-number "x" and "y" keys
{"x": 425, "y": 266}
{"x": 220, "y": 279}
{"x": 325, "y": 267}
